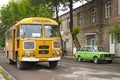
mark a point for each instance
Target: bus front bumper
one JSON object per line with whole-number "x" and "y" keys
{"x": 41, "y": 59}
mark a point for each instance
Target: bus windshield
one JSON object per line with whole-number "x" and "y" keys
{"x": 51, "y": 31}
{"x": 32, "y": 31}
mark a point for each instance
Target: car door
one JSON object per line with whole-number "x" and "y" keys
{"x": 89, "y": 53}
{"x": 83, "y": 52}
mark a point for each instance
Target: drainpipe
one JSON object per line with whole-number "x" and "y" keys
{"x": 100, "y": 20}
{"x": 71, "y": 20}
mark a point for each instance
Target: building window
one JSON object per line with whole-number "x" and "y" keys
{"x": 68, "y": 23}
{"x": 108, "y": 9}
{"x": 91, "y": 41}
{"x": 60, "y": 27}
{"x": 112, "y": 38}
{"x": 93, "y": 15}
{"x": 118, "y": 7}
{"x": 118, "y": 38}
{"x": 79, "y": 19}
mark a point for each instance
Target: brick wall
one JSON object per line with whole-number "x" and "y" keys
{"x": 87, "y": 28}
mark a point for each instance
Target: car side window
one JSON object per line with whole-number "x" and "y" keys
{"x": 89, "y": 49}
{"x": 83, "y": 49}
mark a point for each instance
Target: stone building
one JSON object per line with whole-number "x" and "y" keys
{"x": 95, "y": 20}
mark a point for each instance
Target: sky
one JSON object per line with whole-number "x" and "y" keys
{"x": 75, "y": 5}
{"x": 3, "y": 2}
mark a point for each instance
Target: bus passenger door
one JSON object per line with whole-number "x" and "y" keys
{"x": 13, "y": 55}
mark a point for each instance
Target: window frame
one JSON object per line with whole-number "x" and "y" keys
{"x": 118, "y": 7}
{"x": 9, "y": 35}
{"x": 68, "y": 22}
{"x": 108, "y": 9}
{"x": 25, "y": 27}
{"x": 93, "y": 15}
{"x": 79, "y": 19}
{"x": 57, "y": 28}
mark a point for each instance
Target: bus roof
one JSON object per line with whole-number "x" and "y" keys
{"x": 37, "y": 20}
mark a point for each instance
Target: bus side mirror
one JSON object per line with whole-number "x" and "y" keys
{"x": 21, "y": 33}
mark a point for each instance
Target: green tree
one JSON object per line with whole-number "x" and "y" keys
{"x": 115, "y": 29}
{"x": 16, "y": 10}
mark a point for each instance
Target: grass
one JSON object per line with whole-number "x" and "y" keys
{"x": 4, "y": 75}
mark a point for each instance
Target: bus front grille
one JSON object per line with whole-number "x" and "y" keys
{"x": 43, "y": 51}
{"x": 43, "y": 47}
{"x": 29, "y": 45}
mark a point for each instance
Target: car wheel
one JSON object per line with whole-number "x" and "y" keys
{"x": 79, "y": 59}
{"x": 109, "y": 61}
{"x": 11, "y": 61}
{"x": 95, "y": 60}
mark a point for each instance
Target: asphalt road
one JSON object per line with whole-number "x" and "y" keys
{"x": 67, "y": 69}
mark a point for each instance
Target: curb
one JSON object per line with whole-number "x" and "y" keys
{"x": 68, "y": 57}
{"x": 7, "y": 74}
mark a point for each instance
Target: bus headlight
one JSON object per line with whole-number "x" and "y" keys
{"x": 56, "y": 44}
{"x": 23, "y": 54}
{"x": 28, "y": 53}
{"x": 57, "y": 52}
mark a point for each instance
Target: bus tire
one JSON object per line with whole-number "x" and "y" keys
{"x": 53, "y": 64}
{"x": 20, "y": 64}
{"x": 6, "y": 54}
{"x": 11, "y": 61}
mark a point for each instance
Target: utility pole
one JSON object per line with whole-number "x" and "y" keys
{"x": 71, "y": 14}
{"x": 100, "y": 21}
{"x": 71, "y": 20}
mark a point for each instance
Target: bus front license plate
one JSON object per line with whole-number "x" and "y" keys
{"x": 43, "y": 59}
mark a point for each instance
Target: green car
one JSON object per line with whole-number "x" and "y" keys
{"x": 93, "y": 53}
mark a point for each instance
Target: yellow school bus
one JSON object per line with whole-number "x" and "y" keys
{"x": 33, "y": 39}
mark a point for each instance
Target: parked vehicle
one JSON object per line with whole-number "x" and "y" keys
{"x": 35, "y": 39}
{"x": 93, "y": 53}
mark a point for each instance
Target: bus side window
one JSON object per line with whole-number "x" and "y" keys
{"x": 8, "y": 36}
{"x": 18, "y": 31}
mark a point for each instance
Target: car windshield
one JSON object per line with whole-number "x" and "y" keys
{"x": 31, "y": 31}
{"x": 99, "y": 49}
{"x": 51, "y": 31}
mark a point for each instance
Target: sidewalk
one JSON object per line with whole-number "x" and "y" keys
{"x": 69, "y": 56}
{"x": 4, "y": 75}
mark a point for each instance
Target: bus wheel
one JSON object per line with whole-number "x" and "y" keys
{"x": 53, "y": 64}
{"x": 11, "y": 61}
{"x": 19, "y": 64}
